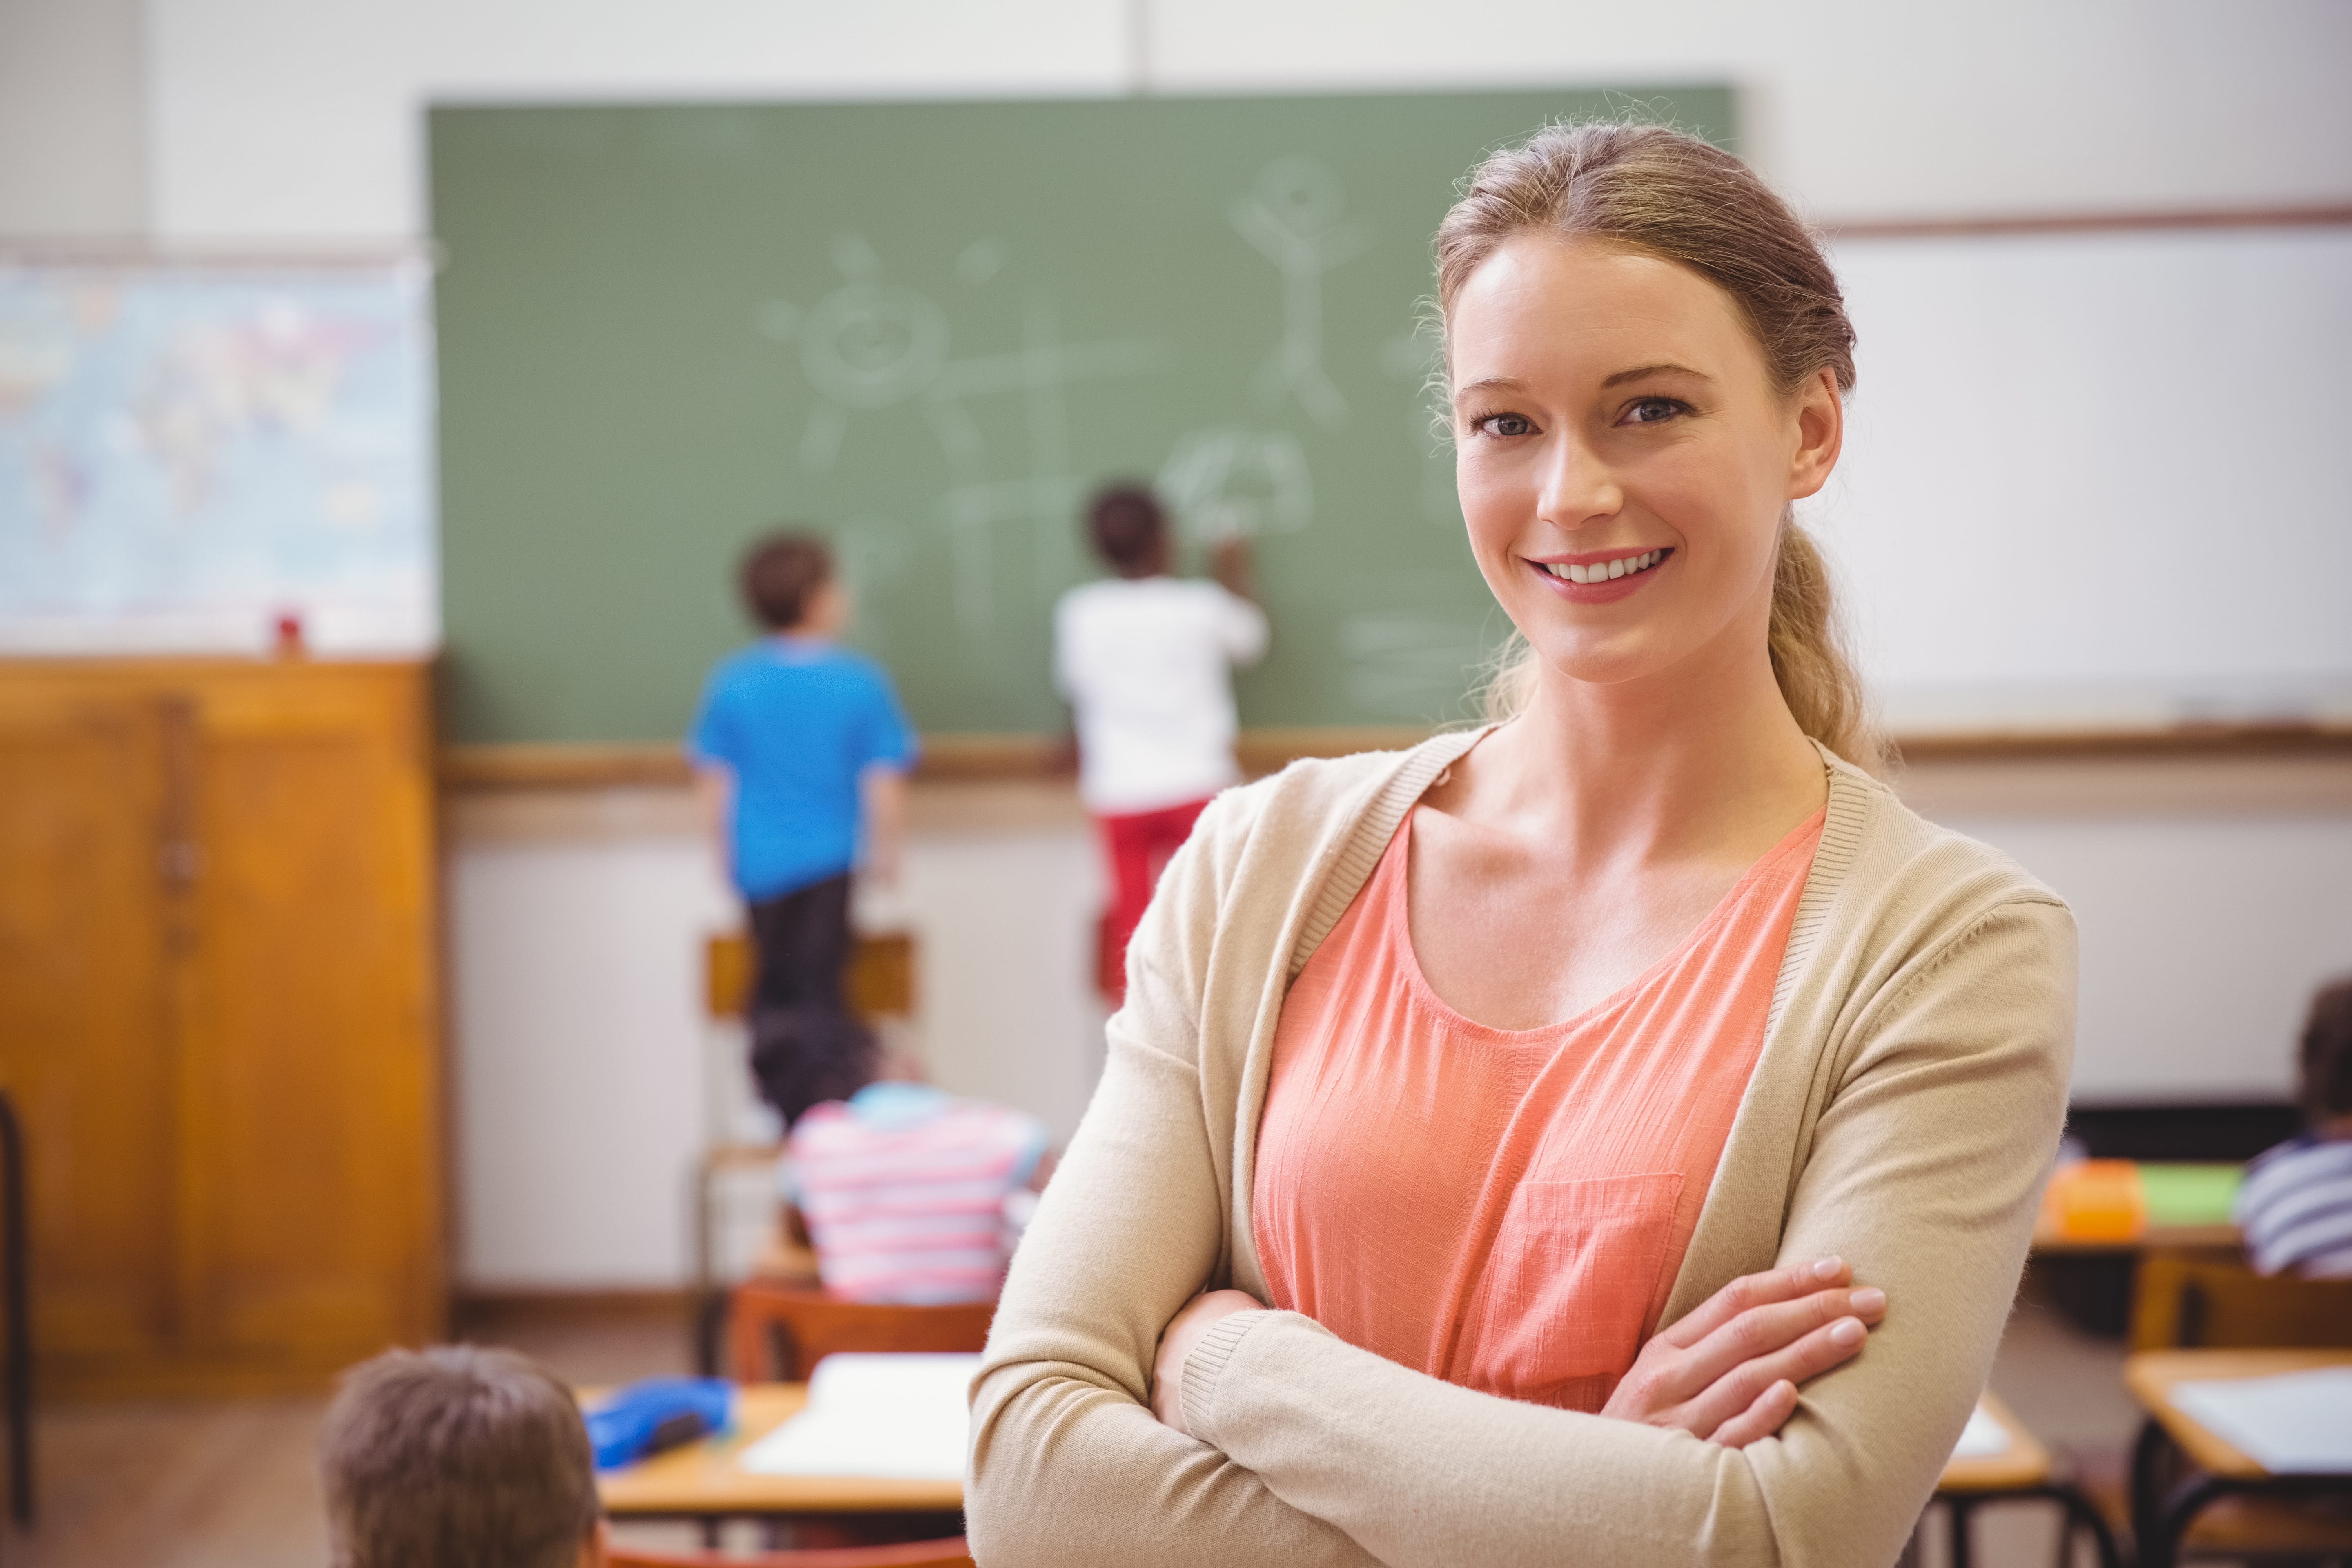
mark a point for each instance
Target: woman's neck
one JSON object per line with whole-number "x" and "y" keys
{"x": 1699, "y": 758}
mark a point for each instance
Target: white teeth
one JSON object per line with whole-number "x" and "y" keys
{"x": 1603, "y": 571}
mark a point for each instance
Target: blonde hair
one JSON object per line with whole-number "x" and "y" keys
{"x": 1675, "y": 195}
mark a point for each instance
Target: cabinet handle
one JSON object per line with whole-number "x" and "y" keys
{"x": 179, "y": 859}
{"x": 180, "y": 862}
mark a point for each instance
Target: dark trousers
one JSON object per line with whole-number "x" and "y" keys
{"x": 805, "y": 1048}
{"x": 802, "y": 938}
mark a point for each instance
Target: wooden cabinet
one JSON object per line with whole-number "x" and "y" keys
{"x": 220, "y": 1016}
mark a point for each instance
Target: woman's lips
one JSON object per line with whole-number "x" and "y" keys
{"x": 1605, "y": 590}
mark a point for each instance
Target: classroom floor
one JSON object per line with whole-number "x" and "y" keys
{"x": 227, "y": 1484}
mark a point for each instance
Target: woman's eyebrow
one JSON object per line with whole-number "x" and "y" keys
{"x": 1665, "y": 368}
{"x": 1491, "y": 384}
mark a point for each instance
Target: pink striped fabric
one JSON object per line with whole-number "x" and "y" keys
{"x": 912, "y": 1210}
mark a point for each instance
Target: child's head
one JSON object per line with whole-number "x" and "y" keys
{"x": 2326, "y": 1076}
{"x": 1130, "y": 531}
{"x": 805, "y": 1055}
{"x": 458, "y": 1456}
{"x": 787, "y": 579}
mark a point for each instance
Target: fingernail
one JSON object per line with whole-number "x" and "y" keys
{"x": 1869, "y": 1299}
{"x": 1828, "y": 1267}
{"x": 1846, "y": 1331}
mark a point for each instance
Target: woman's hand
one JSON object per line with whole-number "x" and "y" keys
{"x": 1176, "y": 1342}
{"x": 1729, "y": 1371}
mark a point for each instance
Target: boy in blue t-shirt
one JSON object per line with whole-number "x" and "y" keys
{"x": 799, "y": 744}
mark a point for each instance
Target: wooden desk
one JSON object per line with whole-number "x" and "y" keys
{"x": 702, "y": 1480}
{"x": 2162, "y": 1509}
{"x": 2023, "y": 1469}
{"x": 2151, "y": 1375}
{"x": 2047, "y": 1239}
{"x": 2024, "y": 1463}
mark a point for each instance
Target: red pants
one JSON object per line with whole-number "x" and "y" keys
{"x": 1139, "y": 845}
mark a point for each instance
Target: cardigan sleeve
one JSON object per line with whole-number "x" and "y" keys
{"x": 1068, "y": 1464}
{"x": 1924, "y": 1172}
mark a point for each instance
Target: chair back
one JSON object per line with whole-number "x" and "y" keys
{"x": 777, "y": 1333}
{"x": 2211, "y": 1301}
{"x": 879, "y": 982}
{"x": 952, "y": 1553}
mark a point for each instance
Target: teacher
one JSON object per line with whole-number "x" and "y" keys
{"x": 1611, "y": 1135}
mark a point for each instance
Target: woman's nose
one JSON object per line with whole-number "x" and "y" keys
{"x": 1577, "y": 486}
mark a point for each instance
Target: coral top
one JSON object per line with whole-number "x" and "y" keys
{"x": 1506, "y": 1209}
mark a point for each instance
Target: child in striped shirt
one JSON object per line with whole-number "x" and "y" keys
{"x": 2295, "y": 1205}
{"x": 911, "y": 1194}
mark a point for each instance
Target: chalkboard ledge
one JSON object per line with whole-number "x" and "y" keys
{"x": 947, "y": 758}
{"x": 953, "y": 758}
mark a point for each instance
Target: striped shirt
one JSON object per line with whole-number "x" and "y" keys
{"x": 906, "y": 1191}
{"x": 2296, "y": 1209}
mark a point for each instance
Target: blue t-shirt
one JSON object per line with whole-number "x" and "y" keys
{"x": 796, "y": 721}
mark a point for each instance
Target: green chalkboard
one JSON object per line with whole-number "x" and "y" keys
{"x": 928, "y": 330}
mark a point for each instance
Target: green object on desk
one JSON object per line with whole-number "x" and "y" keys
{"x": 2186, "y": 1193}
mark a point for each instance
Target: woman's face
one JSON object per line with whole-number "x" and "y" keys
{"x": 1614, "y": 422}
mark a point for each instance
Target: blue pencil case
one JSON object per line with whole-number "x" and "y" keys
{"x": 656, "y": 1414}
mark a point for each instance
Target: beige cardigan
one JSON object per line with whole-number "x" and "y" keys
{"x": 1903, "y": 1112}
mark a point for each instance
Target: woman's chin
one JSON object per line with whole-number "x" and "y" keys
{"x": 1614, "y": 660}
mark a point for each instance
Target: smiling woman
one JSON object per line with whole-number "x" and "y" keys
{"x": 1498, "y": 1135}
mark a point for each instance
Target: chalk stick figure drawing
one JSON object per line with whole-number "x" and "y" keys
{"x": 1418, "y": 357}
{"x": 1227, "y": 481}
{"x": 871, "y": 346}
{"x": 1295, "y": 214}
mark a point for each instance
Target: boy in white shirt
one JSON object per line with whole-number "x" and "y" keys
{"x": 1145, "y": 660}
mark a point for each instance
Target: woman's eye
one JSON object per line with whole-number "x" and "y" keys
{"x": 1650, "y": 410}
{"x": 1505, "y": 425}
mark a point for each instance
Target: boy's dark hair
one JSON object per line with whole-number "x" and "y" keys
{"x": 1127, "y": 524}
{"x": 805, "y": 1055}
{"x": 2325, "y": 1078}
{"x": 455, "y": 1456}
{"x": 781, "y": 573}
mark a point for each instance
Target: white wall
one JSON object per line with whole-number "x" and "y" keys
{"x": 577, "y": 1058}
{"x": 587, "y": 1077}
{"x": 73, "y": 120}
{"x": 297, "y": 120}
{"x": 579, "y": 1044}
{"x": 2212, "y": 896}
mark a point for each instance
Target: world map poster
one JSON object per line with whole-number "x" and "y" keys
{"x": 196, "y": 458}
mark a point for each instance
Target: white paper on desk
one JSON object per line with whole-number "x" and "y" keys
{"x": 2295, "y": 1422}
{"x": 1982, "y": 1437}
{"x": 895, "y": 1418}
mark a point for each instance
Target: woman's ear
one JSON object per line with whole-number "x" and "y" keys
{"x": 597, "y": 1545}
{"x": 1821, "y": 434}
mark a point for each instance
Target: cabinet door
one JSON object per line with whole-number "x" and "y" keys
{"x": 309, "y": 1210}
{"x": 85, "y": 1031}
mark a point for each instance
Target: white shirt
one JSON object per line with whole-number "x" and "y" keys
{"x": 1146, "y": 664}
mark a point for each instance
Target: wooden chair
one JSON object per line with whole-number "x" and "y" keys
{"x": 777, "y": 1333}
{"x": 2209, "y": 1299}
{"x": 950, "y": 1553}
{"x": 17, "y": 1303}
{"x": 879, "y": 985}
{"x": 2193, "y": 1300}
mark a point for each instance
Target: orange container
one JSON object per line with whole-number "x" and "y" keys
{"x": 2097, "y": 1200}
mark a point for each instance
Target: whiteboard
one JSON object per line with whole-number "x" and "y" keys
{"x": 2098, "y": 480}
